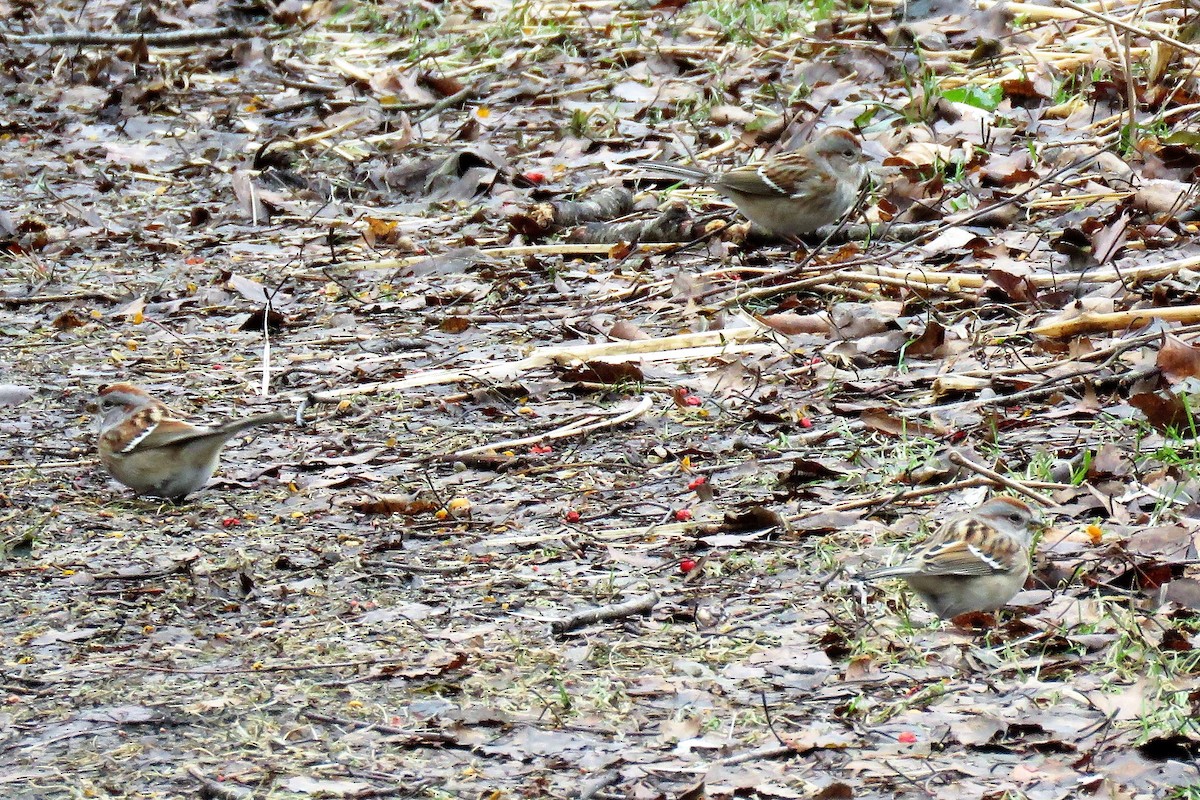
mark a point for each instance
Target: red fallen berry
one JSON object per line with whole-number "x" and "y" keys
{"x": 572, "y": 516}
{"x": 687, "y": 565}
{"x": 805, "y": 422}
{"x": 683, "y": 515}
{"x": 229, "y": 522}
{"x": 534, "y": 176}
{"x": 692, "y": 400}
{"x": 697, "y": 483}
{"x": 907, "y": 737}
{"x": 541, "y": 449}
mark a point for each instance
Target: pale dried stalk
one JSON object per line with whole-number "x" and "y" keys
{"x": 1096, "y": 322}
{"x": 576, "y": 428}
{"x": 685, "y": 346}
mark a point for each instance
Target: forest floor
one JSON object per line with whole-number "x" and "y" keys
{"x": 508, "y": 422}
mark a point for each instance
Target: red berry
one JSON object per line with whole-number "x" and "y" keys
{"x": 908, "y": 737}
{"x": 229, "y": 522}
{"x": 572, "y": 516}
{"x": 683, "y": 515}
{"x": 805, "y": 422}
{"x": 692, "y": 400}
{"x": 534, "y": 176}
{"x": 697, "y": 483}
{"x": 687, "y": 565}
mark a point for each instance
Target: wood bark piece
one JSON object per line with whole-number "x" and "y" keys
{"x": 637, "y": 605}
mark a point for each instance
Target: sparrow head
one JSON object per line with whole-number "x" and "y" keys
{"x": 1008, "y": 515}
{"x": 838, "y": 146}
{"x": 117, "y": 402}
{"x": 121, "y": 395}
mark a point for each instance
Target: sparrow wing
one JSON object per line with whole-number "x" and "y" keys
{"x": 964, "y": 547}
{"x": 969, "y": 547}
{"x": 134, "y": 429}
{"x": 173, "y": 432}
{"x": 959, "y": 558}
{"x": 786, "y": 175}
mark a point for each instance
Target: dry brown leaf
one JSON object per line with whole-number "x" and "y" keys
{"x": 1178, "y": 360}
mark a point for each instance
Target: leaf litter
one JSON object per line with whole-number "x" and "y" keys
{"x": 486, "y": 565}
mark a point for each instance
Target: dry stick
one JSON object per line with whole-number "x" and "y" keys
{"x": 156, "y": 39}
{"x": 387, "y": 730}
{"x": 1130, "y": 91}
{"x": 908, "y": 494}
{"x": 221, "y": 791}
{"x": 1038, "y": 392}
{"x": 5, "y": 300}
{"x": 1125, "y": 26}
{"x": 679, "y": 346}
{"x": 761, "y": 754}
{"x": 1093, "y": 322}
{"x": 601, "y": 781}
{"x": 458, "y": 98}
{"x": 364, "y": 662}
{"x": 1016, "y": 486}
{"x": 576, "y": 428}
{"x": 1107, "y": 354}
{"x": 920, "y": 279}
{"x": 638, "y": 605}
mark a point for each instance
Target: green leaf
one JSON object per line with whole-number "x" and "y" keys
{"x": 977, "y": 96}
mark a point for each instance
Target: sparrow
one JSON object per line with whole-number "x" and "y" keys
{"x": 790, "y": 194}
{"x": 974, "y": 562}
{"x": 144, "y": 446}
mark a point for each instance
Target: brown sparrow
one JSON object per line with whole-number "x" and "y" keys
{"x": 146, "y": 448}
{"x": 789, "y": 194}
{"x": 974, "y": 562}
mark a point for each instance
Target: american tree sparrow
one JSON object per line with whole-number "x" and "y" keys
{"x": 144, "y": 446}
{"x": 789, "y": 194}
{"x": 974, "y": 562}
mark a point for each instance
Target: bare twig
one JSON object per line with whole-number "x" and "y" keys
{"x": 601, "y": 781}
{"x": 637, "y": 605}
{"x": 958, "y": 458}
{"x": 413, "y": 737}
{"x": 577, "y": 428}
{"x": 5, "y": 300}
{"x": 221, "y": 791}
{"x": 154, "y": 39}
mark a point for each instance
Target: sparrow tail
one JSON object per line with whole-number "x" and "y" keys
{"x": 690, "y": 174}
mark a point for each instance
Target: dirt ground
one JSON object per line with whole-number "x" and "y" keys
{"x": 510, "y": 421}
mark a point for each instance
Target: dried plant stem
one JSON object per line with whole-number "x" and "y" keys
{"x": 1018, "y": 487}
{"x": 155, "y": 39}
{"x": 576, "y": 428}
{"x": 1096, "y": 322}
{"x": 683, "y": 346}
